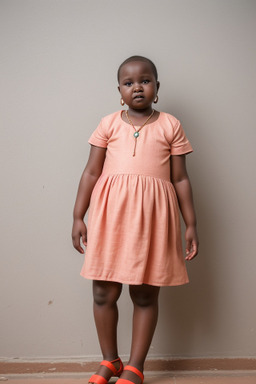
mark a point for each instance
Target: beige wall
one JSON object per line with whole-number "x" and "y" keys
{"x": 58, "y": 78}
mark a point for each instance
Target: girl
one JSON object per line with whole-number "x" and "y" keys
{"x": 135, "y": 182}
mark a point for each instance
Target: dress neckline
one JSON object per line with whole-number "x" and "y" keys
{"x": 153, "y": 122}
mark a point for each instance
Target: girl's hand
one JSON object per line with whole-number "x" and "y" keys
{"x": 79, "y": 231}
{"x": 192, "y": 243}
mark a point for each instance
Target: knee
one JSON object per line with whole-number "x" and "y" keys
{"x": 144, "y": 296}
{"x": 105, "y": 293}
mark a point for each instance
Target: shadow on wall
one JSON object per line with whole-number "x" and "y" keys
{"x": 188, "y": 313}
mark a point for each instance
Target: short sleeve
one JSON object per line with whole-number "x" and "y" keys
{"x": 99, "y": 137}
{"x": 180, "y": 144}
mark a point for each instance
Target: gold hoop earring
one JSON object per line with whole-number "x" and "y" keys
{"x": 122, "y": 102}
{"x": 156, "y": 99}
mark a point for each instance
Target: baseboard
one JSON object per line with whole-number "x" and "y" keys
{"x": 198, "y": 364}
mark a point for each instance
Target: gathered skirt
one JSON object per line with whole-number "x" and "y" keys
{"x": 134, "y": 234}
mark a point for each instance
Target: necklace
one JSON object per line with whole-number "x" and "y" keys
{"x": 137, "y": 131}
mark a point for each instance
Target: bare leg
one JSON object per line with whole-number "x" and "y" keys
{"x": 105, "y": 309}
{"x": 145, "y": 300}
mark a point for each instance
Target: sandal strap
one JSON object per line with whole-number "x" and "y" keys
{"x": 97, "y": 379}
{"x": 121, "y": 366}
{"x": 110, "y": 366}
{"x": 136, "y": 371}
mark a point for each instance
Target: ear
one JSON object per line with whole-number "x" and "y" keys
{"x": 118, "y": 89}
{"x": 157, "y": 85}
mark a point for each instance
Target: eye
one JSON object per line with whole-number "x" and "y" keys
{"x": 128, "y": 83}
{"x": 145, "y": 81}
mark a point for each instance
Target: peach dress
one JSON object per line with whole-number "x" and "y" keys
{"x": 134, "y": 234}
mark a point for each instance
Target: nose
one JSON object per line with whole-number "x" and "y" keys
{"x": 137, "y": 88}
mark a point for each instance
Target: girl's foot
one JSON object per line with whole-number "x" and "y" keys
{"x": 106, "y": 370}
{"x": 131, "y": 375}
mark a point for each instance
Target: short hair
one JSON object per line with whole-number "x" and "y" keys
{"x": 138, "y": 58}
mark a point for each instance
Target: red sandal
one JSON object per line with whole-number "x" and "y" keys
{"x": 98, "y": 379}
{"x": 134, "y": 370}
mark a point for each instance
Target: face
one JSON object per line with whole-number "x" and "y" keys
{"x": 137, "y": 84}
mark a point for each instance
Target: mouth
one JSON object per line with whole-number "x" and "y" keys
{"x": 138, "y": 97}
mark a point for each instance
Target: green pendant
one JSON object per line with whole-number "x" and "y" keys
{"x": 136, "y": 134}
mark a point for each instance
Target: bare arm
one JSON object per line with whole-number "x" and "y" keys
{"x": 181, "y": 183}
{"x": 88, "y": 180}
